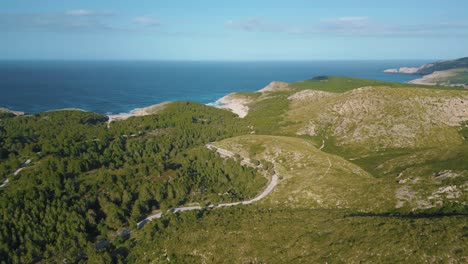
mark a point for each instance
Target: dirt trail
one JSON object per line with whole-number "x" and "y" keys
{"x": 222, "y": 152}
{"x": 268, "y": 189}
{"x": 26, "y": 163}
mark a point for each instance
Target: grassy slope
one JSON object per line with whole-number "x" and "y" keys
{"x": 344, "y": 84}
{"x": 453, "y": 76}
{"x": 275, "y": 235}
{"x": 380, "y": 118}
{"x": 311, "y": 178}
{"x": 460, "y": 76}
{"x": 307, "y": 218}
{"x": 387, "y": 129}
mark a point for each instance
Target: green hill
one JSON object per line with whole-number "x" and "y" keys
{"x": 366, "y": 171}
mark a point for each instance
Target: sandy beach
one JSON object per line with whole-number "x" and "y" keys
{"x": 238, "y": 103}
{"x": 433, "y": 78}
{"x": 153, "y": 109}
{"x": 235, "y": 104}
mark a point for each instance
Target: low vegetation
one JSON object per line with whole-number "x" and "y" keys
{"x": 443, "y": 65}
{"x": 282, "y": 235}
{"x": 368, "y": 171}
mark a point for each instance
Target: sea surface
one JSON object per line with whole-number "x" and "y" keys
{"x": 113, "y": 87}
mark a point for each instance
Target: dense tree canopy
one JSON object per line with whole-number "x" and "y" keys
{"x": 87, "y": 181}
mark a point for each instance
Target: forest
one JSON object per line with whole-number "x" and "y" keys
{"x": 86, "y": 182}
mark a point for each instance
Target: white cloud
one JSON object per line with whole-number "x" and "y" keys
{"x": 254, "y": 24}
{"x": 353, "y": 19}
{"x": 68, "y": 21}
{"x": 347, "y": 25}
{"x": 79, "y": 12}
{"x": 87, "y": 12}
{"x": 355, "y": 26}
{"x": 147, "y": 21}
{"x": 75, "y": 21}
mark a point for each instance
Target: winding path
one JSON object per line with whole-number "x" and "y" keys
{"x": 16, "y": 172}
{"x": 268, "y": 189}
{"x": 323, "y": 144}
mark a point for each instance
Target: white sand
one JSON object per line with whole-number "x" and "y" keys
{"x": 235, "y": 104}
{"x": 150, "y": 110}
{"x": 433, "y": 78}
{"x": 238, "y": 104}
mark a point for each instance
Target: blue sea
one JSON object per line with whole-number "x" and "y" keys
{"x": 112, "y": 87}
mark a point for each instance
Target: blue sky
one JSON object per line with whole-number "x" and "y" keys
{"x": 233, "y": 30}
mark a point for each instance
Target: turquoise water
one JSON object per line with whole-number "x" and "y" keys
{"x": 112, "y": 87}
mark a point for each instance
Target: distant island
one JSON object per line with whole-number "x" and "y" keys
{"x": 447, "y": 72}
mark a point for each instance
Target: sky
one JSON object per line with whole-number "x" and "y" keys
{"x": 233, "y": 30}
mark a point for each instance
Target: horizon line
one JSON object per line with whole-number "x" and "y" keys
{"x": 220, "y": 60}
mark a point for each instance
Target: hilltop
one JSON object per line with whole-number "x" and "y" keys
{"x": 373, "y": 124}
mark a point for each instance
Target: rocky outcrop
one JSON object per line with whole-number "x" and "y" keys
{"x": 406, "y": 70}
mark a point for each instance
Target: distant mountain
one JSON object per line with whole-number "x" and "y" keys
{"x": 443, "y": 65}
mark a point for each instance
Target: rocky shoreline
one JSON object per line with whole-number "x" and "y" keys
{"x": 405, "y": 70}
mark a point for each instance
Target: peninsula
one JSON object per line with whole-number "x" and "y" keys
{"x": 447, "y": 72}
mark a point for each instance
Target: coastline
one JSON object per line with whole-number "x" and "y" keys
{"x": 6, "y": 110}
{"x": 451, "y": 73}
{"x": 233, "y": 103}
{"x": 149, "y": 110}
{"x": 430, "y": 79}
{"x": 445, "y": 78}
{"x": 239, "y": 103}
{"x": 161, "y": 82}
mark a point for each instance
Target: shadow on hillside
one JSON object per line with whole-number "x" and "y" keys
{"x": 410, "y": 215}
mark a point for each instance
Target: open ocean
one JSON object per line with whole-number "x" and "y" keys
{"x": 112, "y": 87}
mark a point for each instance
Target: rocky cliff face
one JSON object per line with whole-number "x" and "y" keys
{"x": 407, "y": 70}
